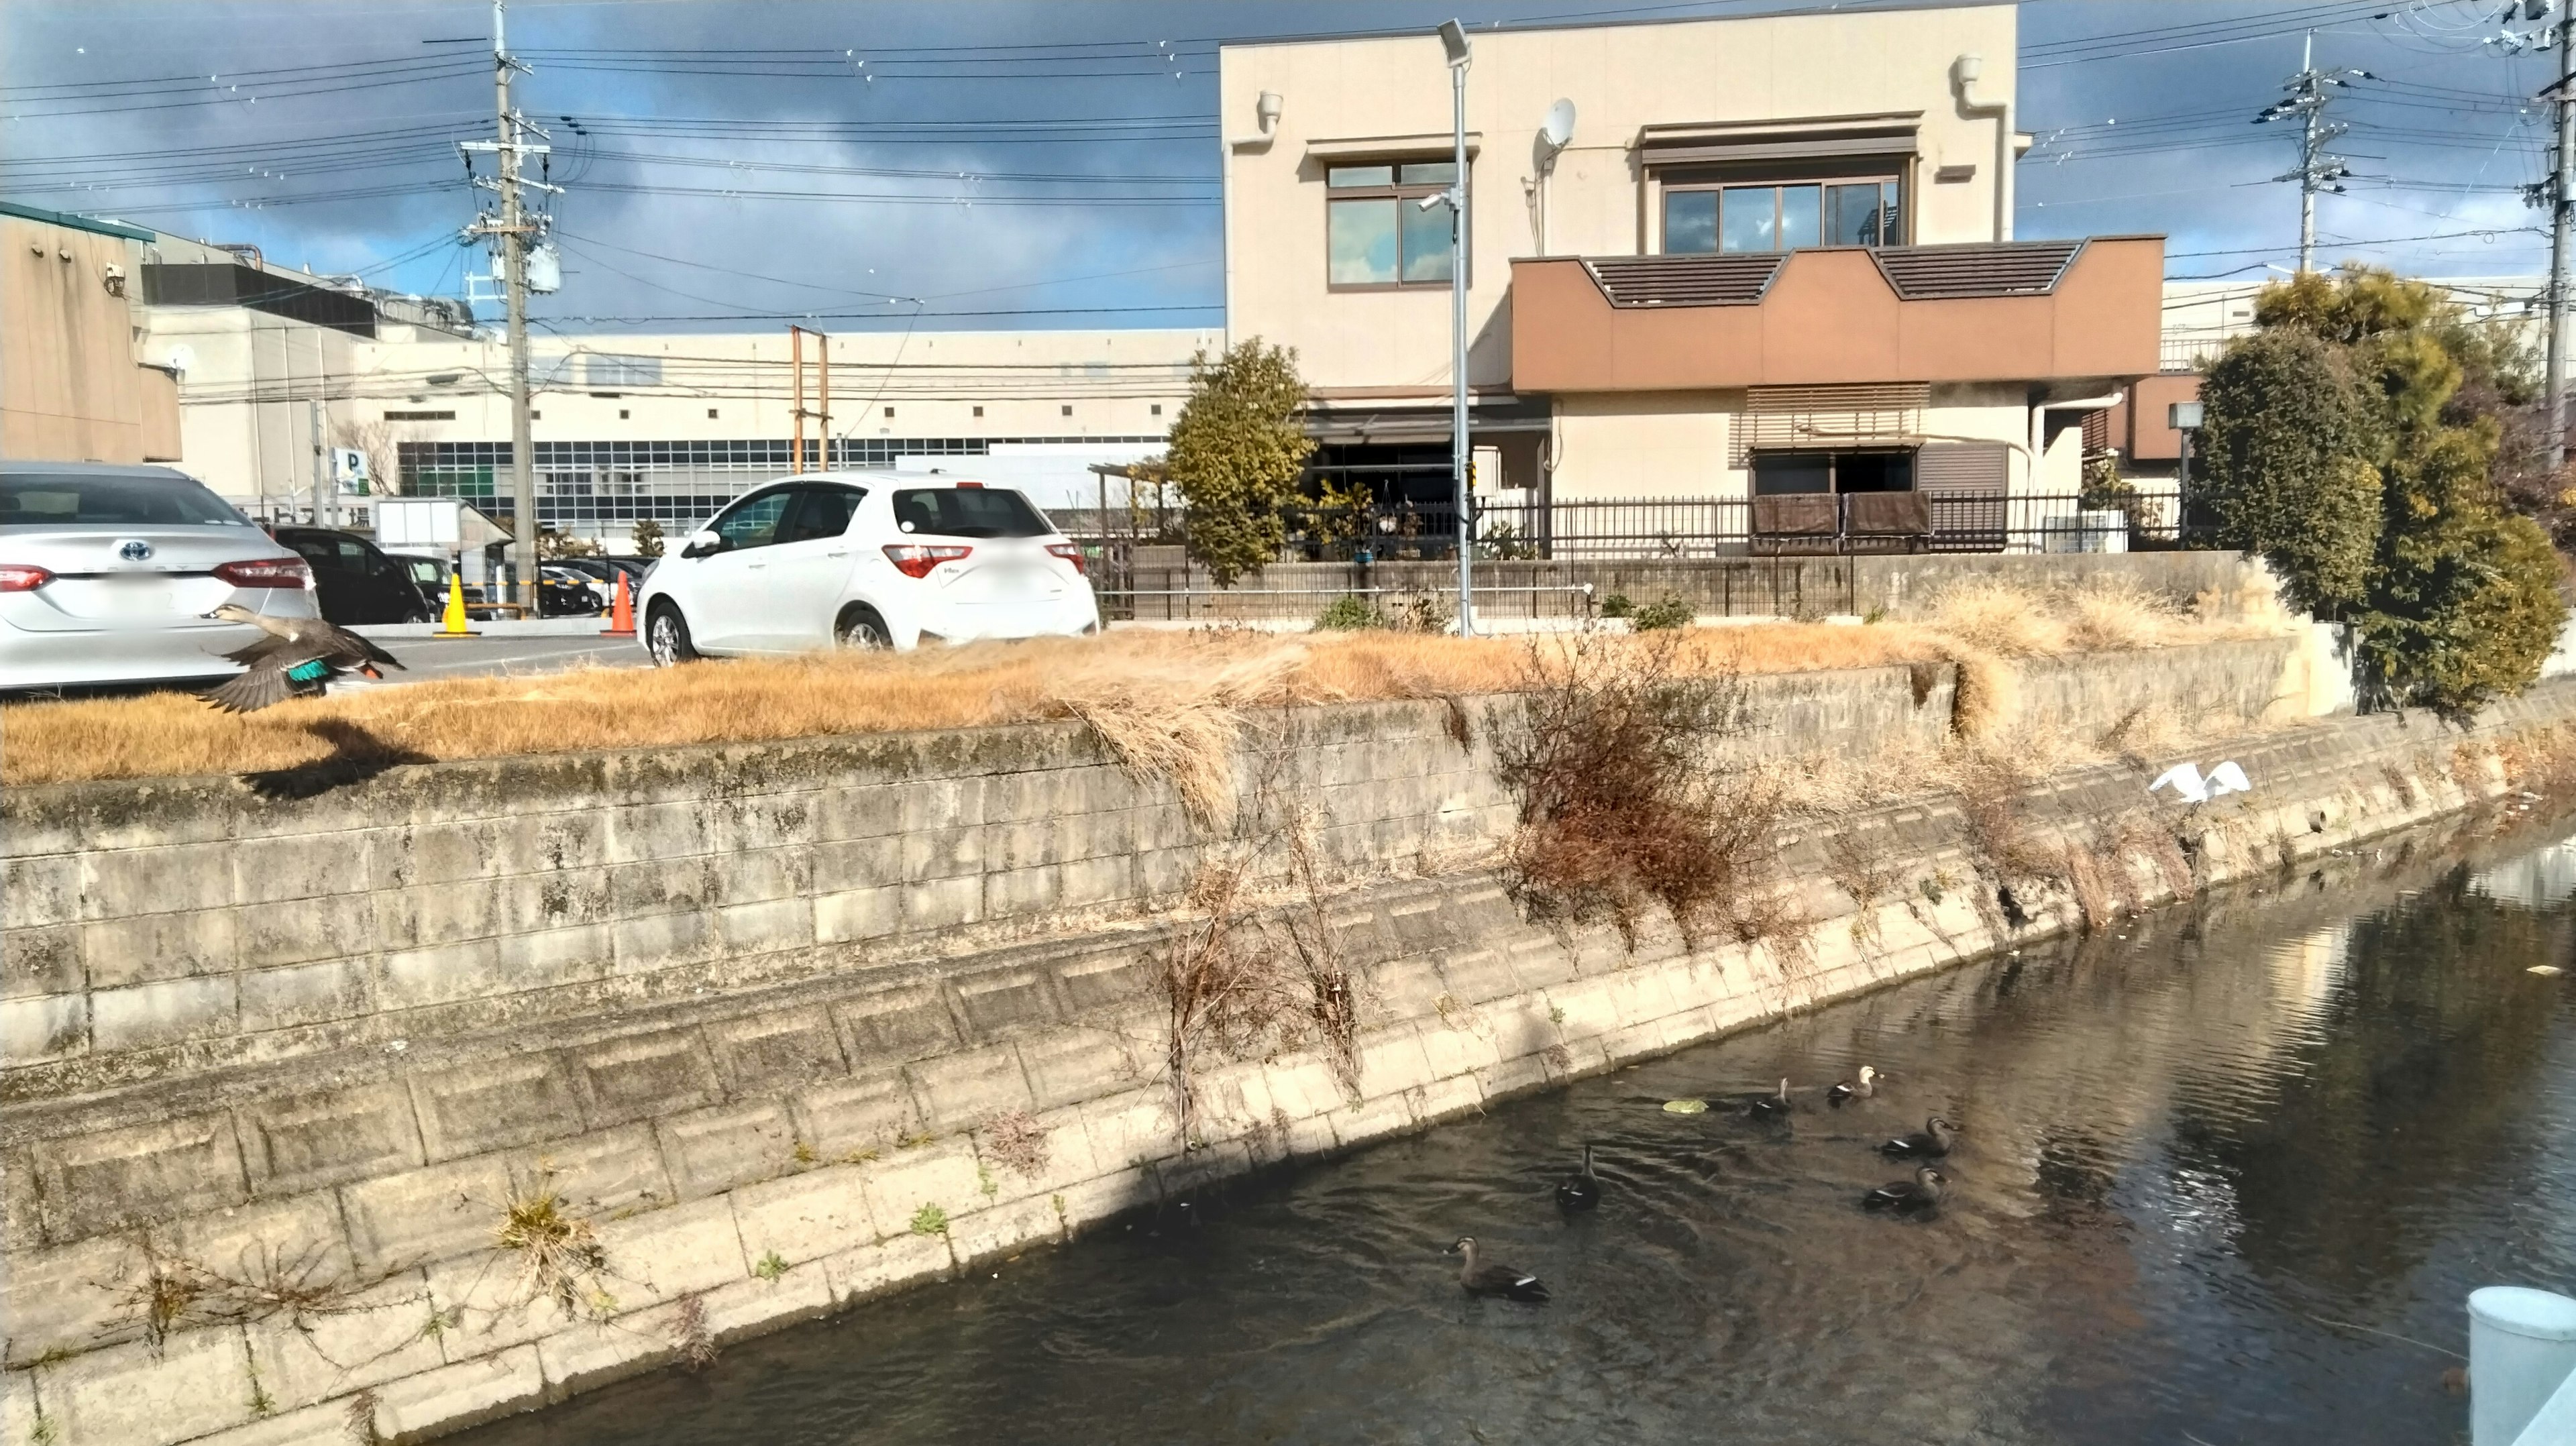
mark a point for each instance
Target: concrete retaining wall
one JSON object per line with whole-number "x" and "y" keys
{"x": 760, "y": 1137}
{"x": 1898, "y": 586}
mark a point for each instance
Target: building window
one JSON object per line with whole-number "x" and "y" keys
{"x": 1068, "y": 409}
{"x": 535, "y": 415}
{"x": 621, "y": 414}
{"x": 1704, "y": 218}
{"x": 889, "y": 411}
{"x": 420, "y": 416}
{"x": 1377, "y": 232}
{"x": 711, "y": 414}
{"x": 1158, "y": 409}
{"x": 979, "y": 411}
{"x": 1781, "y": 474}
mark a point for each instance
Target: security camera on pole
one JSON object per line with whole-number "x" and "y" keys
{"x": 1453, "y": 41}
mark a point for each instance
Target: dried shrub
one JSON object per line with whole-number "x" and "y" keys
{"x": 358, "y": 1419}
{"x": 1256, "y": 975}
{"x": 1015, "y": 1138}
{"x": 2113, "y": 613}
{"x": 690, "y": 1336}
{"x": 1626, "y": 798}
{"x": 2001, "y": 617}
{"x": 559, "y": 1254}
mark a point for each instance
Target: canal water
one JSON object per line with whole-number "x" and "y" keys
{"x": 2226, "y": 1177}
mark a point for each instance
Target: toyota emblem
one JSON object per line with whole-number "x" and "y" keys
{"x": 136, "y": 550}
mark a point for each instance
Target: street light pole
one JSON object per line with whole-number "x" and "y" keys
{"x": 1453, "y": 41}
{"x": 2554, "y": 402}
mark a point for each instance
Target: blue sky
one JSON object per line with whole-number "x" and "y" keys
{"x": 981, "y": 163}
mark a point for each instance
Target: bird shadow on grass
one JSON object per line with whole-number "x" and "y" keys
{"x": 356, "y": 756}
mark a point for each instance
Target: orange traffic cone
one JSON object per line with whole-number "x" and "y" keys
{"x": 452, "y": 624}
{"x": 621, "y": 613}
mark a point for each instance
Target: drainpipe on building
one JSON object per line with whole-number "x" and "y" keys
{"x": 1966, "y": 70}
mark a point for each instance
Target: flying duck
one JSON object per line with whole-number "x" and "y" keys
{"x": 1770, "y": 1107}
{"x": 1905, "y": 1197}
{"x": 1933, "y": 1140}
{"x": 1859, "y": 1089}
{"x": 1480, "y": 1277}
{"x": 296, "y": 659}
{"x": 1580, "y": 1191}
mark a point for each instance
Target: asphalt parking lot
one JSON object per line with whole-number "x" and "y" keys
{"x": 424, "y": 658}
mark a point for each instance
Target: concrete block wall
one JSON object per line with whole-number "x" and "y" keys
{"x": 194, "y": 924}
{"x": 755, "y": 1157}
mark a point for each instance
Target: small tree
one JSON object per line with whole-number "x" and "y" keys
{"x": 647, "y": 537}
{"x": 2284, "y": 453}
{"x": 1236, "y": 454}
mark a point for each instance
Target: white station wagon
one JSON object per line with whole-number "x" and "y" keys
{"x": 865, "y": 559}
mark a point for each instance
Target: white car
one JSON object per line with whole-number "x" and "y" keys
{"x": 107, "y": 573}
{"x": 865, "y": 559}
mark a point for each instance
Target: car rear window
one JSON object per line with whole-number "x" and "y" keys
{"x": 967, "y": 512}
{"x": 74, "y": 499}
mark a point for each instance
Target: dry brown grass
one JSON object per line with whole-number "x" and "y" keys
{"x": 1162, "y": 698}
{"x": 1170, "y": 702}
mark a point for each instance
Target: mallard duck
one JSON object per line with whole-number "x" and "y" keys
{"x": 1770, "y": 1107}
{"x": 297, "y": 658}
{"x": 1854, "y": 1089}
{"x": 1481, "y": 1277}
{"x": 1932, "y": 1140}
{"x": 1908, "y": 1196}
{"x": 1581, "y": 1191}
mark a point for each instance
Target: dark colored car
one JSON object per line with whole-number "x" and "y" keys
{"x": 356, "y": 582}
{"x": 606, "y": 570}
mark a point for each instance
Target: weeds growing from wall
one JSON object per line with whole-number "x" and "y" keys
{"x": 558, "y": 1254}
{"x": 690, "y": 1336}
{"x": 1624, "y": 802}
{"x": 1019, "y": 1142}
{"x": 1255, "y": 971}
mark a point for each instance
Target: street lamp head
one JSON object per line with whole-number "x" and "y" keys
{"x": 1453, "y": 42}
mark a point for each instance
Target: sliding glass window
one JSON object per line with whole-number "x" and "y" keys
{"x": 1706, "y": 218}
{"x": 1377, "y": 232}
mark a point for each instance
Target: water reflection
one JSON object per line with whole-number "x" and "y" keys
{"x": 2213, "y": 1171}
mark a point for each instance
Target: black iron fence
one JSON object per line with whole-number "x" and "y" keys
{"x": 1687, "y": 528}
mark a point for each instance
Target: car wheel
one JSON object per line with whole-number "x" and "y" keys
{"x": 859, "y": 628}
{"x": 667, "y": 637}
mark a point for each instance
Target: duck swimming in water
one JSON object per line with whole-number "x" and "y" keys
{"x": 1906, "y": 1197}
{"x": 1770, "y": 1107}
{"x": 1581, "y": 1191}
{"x": 1482, "y": 1277}
{"x": 1932, "y": 1141}
{"x": 297, "y": 658}
{"x": 1854, "y": 1089}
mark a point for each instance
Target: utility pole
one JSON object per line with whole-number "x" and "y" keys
{"x": 321, "y": 465}
{"x": 2554, "y": 396}
{"x": 2311, "y": 90}
{"x": 511, "y": 231}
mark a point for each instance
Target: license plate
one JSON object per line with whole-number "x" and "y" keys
{"x": 141, "y": 597}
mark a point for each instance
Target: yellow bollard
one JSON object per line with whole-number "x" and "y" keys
{"x": 452, "y": 625}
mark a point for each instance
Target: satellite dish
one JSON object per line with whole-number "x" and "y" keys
{"x": 1558, "y": 127}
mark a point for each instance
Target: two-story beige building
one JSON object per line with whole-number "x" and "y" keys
{"x": 1773, "y": 260}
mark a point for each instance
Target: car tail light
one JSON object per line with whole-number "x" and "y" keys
{"x": 268, "y": 572}
{"x": 22, "y": 577}
{"x": 1069, "y": 551}
{"x": 915, "y": 560}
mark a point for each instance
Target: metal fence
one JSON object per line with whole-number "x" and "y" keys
{"x": 1687, "y": 528}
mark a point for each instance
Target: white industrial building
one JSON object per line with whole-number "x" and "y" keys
{"x": 273, "y": 362}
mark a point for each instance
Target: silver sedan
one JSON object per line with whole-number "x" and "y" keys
{"x": 107, "y": 573}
